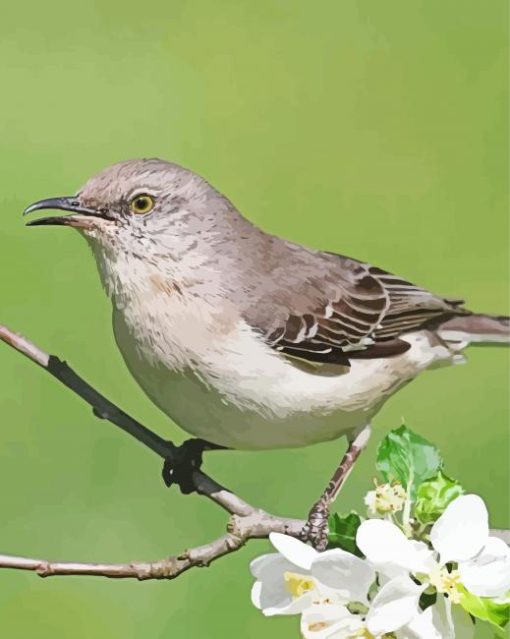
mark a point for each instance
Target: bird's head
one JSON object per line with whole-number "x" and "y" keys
{"x": 140, "y": 207}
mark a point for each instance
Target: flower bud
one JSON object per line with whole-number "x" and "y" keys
{"x": 386, "y": 498}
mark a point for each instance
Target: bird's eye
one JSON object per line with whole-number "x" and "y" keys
{"x": 142, "y": 204}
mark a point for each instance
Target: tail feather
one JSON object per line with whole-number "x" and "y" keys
{"x": 476, "y": 329}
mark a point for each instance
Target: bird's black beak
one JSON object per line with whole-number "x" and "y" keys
{"x": 80, "y": 218}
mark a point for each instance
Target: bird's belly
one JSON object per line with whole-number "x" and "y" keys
{"x": 244, "y": 395}
{"x": 203, "y": 411}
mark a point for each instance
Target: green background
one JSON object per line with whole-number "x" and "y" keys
{"x": 374, "y": 129}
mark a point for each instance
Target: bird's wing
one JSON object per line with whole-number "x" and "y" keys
{"x": 352, "y": 311}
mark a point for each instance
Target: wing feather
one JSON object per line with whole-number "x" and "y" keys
{"x": 353, "y": 311}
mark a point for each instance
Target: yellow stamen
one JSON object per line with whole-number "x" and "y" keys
{"x": 447, "y": 583}
{"x": 297, "y": 584}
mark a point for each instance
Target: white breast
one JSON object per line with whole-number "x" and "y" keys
{"x": 215, "y": 377}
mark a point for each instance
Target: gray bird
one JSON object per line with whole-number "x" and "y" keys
{"x": 247, "y": 340}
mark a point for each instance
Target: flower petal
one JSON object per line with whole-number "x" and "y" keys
{"x": 463, "y": 624}
{"x": 488, "y": 574}
{"x": 348, "y": 575}
{"x": 439, "y": 621}
{"x": 424, "y": 559}
{"x": 423, "y": 627}
{"x": 394, "y": 606}
{"x": 294, "y": 550}
{"x": 331, "y": 621}
{"x": 462, "y": 530}
{"x": 281, "y": 603}
{"x": 260, "y": 564}
{"x": 430, "y": 624}
{"x": 269, "y": 593}
{"x": 293, "y": 607}
{"x": 386, "y": 546}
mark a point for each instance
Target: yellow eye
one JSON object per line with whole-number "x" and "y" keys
{"x": 142, "y": 204}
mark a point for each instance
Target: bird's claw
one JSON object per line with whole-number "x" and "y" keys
{"x": 181, "y": 463}
{"x": 316, "y": 528}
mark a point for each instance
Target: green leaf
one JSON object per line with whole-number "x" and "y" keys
{"x": 406, "y": 457}
{"x": 486, "y": 609}
{"x": 342, "y": 532}
{"x": 434, "y": 495}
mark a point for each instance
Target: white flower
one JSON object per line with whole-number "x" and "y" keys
{"x": 390, "y": 551}
{"x": 297, "y": 576}
{"x": 439, "y": 621}
{"x": 394, "y": 606}
{"x": 334, "y": 621}
{"x": 396, "y": 603}
{"x": 386, "y": 498}
{"x": 331, "y": 621}
{"x": 284, "y": 583}
{"x": 395, "y": 609}
{"x": 460, "y": 535}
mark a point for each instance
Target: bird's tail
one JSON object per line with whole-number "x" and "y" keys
{"x": 476, "y": 329}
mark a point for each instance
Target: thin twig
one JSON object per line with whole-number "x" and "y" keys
{"x": 101, "y": 406}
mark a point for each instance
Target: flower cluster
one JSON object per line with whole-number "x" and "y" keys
{"x": 424, "y": 573}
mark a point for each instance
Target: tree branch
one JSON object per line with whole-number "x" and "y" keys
{"x": 246, "y": 521}
{"x": 240, "y": 529}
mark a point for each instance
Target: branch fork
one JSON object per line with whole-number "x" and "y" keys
{"x": 246, "y": 522}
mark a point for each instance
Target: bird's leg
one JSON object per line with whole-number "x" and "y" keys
{"x": 316, "y": 528}
{"x": 183, "y": 460}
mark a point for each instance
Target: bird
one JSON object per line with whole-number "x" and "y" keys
{"x": 244, "y": 339}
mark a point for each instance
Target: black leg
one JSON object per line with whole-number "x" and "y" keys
{"x": 183, "y": 460}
